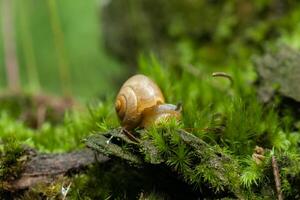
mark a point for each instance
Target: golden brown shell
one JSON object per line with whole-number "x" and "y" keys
{"x": 137, "y": 94}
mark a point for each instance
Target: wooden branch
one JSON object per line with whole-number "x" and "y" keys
{"x": 46, "y": 168}
{"x": 277, "y": 178}
{"x": 104, "y": 144}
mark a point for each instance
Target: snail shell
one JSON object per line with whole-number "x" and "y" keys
{"x": 138, "y": 93}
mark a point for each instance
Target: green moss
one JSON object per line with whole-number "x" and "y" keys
{"x": 232, "y": 121}
{"x": 198, "y": 163}
{"x": 228, "y": 120}
{"x": 11, "y": 160}
{"x": 118, "y": 182}
{"x": 231, "y": 116}
{"x": 51, "y": 190}
{"x": 65, "y": 136}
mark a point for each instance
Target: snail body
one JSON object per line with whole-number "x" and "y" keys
{"x": 160, "y": 113}
{"x": 140, "y": 103}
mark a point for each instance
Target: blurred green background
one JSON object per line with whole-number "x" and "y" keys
{"x": 91, "y": 46}
{"x": 92, "y": 71}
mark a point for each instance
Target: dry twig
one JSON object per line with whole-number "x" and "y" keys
{"x": 224, "y": 75}
{"x": 277, "y": 178}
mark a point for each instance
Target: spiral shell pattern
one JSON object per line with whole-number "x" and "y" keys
{"x": 137, "y": 94}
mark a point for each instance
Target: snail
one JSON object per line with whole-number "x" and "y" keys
{"x": 140, "y": 103}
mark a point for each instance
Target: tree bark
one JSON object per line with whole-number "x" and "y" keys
{"x": 45, "y": 168}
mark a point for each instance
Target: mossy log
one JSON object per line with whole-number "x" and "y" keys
{"x": 142, "y": 154}
{"x": 46, "y": 168}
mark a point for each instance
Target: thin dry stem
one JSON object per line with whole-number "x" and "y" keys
{"x": 11, "y": 60}
{"x": 224, "y": 75}
{"x": 59, "y": 42}
{"x": 277, "y": 178}
{"x": 27, "y": 46}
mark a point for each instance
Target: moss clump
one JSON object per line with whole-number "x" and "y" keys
{"x": 11, "y": 160}
{"x": 118, "y": 182}
{"x": 200, "y": 164}
{"x": 51, "y": 190}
